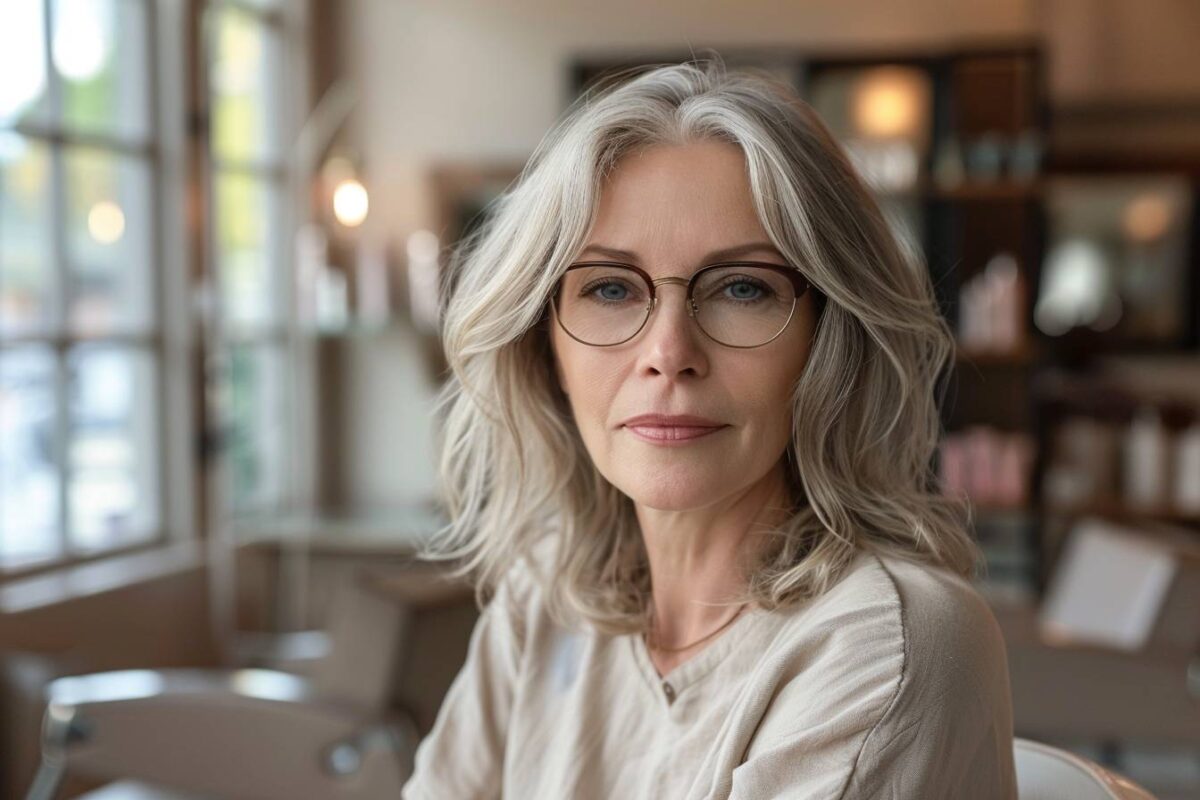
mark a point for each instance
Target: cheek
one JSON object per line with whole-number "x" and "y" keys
{"x": 766, "y": 390}
{"x": 590, "y": 383}
{"x": 770, "y": 404}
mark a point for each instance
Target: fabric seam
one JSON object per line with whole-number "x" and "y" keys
{"x": 899, "y": 684}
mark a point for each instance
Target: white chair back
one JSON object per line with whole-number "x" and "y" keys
{"x": 1050, "y": 773}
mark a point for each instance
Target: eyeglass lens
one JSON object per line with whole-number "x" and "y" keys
{"x": 737, "y": 305}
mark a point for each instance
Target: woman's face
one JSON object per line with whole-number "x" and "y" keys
{"x": 672, "y": 207}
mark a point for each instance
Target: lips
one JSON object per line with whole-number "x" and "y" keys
{"x": 671, "y": 428}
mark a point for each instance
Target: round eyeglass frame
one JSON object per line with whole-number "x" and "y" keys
{"x": 798, "y": 281}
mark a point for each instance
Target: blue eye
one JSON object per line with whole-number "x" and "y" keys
{"x": 743, "y": 290}
{"x": 607, "y": 290}
{"x": 613, "y": 291}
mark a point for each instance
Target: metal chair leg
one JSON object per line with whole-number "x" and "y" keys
{"x": 61, "y": 726}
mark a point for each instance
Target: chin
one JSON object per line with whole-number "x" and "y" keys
{"x": 674, "y": 489}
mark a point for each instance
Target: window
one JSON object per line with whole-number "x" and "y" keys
{"x": 101, "y": 267}
{"x": 249, "y": 191}
{"x": 80, "y": 337}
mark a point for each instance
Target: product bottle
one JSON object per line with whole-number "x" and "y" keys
{"x": 1187, "y": 470}
{"x": 1146, "y": 461}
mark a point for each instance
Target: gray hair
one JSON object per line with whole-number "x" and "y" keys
{"x": 516, "y": 475}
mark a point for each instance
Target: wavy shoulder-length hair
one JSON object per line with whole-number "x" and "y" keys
{"x": 516, "y": 475}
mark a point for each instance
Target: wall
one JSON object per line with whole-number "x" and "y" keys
{"x": 1125, "y": 77}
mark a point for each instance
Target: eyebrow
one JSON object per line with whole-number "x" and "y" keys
{"x": 716, "y": 255}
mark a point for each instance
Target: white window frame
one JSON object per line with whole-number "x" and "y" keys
{"x": 190, "y": 501}
{"x": 289, "y": 21}
{"x": 169, "y": 338}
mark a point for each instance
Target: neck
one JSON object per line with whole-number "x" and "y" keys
{"x": 696, "y": 556}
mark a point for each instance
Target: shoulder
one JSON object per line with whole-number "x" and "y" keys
{"x": 939, "y": 631}
{"x": 918, "y": 607}
{"x": 953, "y": 646}
{"x": 896, "y": 679}
{"x": 947, "y": 728}
{"x": 945, "y": 673}
{"x": 891, "y": 641}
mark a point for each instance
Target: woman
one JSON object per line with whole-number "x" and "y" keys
{"x": 688, "y": 439}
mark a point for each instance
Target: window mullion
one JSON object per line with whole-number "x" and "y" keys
{"x": 158, "y": 249}
{"x": 62, "y": 448}
{"x": 59, "y": 289}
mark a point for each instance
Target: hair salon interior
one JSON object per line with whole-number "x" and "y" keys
{"x": 221, "y": 230}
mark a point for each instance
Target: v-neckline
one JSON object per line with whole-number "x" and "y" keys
{"x": 689, "y": 672}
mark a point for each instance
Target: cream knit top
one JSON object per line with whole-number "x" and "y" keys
{"x": 893, "y": 684}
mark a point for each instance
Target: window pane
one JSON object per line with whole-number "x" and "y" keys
{"x": 23, "y": 83}
{"x": 267, "y": 5}
{"x": 113, "y": 447}
{"x": 244, "y": 77}
{"x": 251, "y": 406}
{"x": 99, "y": 49}
{"x": 109, "y": 242}
{"x": 247, "y": 248}
{"x": 26, "y": 237}
{"x": 29, "y": 479}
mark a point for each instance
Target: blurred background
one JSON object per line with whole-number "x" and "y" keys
{"x": 221, "y": 229}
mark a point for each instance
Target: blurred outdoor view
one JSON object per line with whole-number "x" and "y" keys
{"x": 80, "y": 326}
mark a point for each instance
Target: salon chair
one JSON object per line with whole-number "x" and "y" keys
{"x": 1049, "y": 773}
{"x": 262, "y": 733}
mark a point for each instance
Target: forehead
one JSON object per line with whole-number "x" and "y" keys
{"x": 678, "y": 199}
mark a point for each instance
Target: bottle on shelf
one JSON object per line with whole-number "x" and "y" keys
{"x": 1146, "y": 460}
{"x": 1187, "y": 470}
{"x": 992, "y": 308}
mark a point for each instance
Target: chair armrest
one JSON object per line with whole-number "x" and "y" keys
{"x": 296, "y": 652}
{"x": 241, "y": 733}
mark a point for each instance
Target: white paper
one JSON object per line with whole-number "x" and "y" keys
{"x": 1108, "y": 587}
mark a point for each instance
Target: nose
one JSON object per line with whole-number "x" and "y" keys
{"x": 671, "y": 344}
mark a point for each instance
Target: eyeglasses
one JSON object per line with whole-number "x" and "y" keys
{"x": 737, "y": 304}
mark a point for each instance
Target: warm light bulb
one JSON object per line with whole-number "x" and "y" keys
{"x": 888, "y": 103}
{"x": 350, "y": 203}
{"x": 1147, "y": 217}
{"x": 106, "y": 222}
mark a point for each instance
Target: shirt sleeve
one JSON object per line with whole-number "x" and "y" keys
{"x": 870, "y": 718}
{"x": 463, "y": 754}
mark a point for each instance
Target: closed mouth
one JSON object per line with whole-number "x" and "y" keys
{"x": 672, "y": 433}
